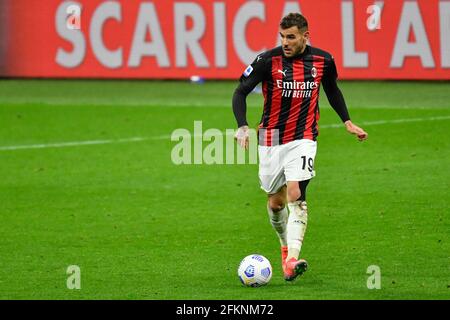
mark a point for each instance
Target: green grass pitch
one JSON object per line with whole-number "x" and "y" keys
{"x": 140, "y": 227}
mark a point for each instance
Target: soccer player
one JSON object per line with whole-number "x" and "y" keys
{"x": 291, "y": 75}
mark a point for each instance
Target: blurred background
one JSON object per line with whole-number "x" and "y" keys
{"x": 393, "y": 39}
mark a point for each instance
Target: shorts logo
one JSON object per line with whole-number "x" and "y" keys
{"x": 248, "y": 71}
{"x": 314, "y": 72}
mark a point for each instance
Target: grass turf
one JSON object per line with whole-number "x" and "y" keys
{"x": 141, "y": 227}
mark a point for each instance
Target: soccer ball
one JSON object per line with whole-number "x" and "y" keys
{"x": 255, "y": 270}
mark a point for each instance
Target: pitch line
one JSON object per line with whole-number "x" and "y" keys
{"x": 380, "y": 122}
{"x": 71, "y": 144}
{"x": 166, "y": 137}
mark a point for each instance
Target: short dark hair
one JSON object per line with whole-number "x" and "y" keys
{"x": 294, "y": 19}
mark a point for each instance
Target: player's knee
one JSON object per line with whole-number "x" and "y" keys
{"x": 276, "y": 205}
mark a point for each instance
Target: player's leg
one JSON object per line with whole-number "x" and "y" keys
{"x": 296, "y": 227}
{"x": 271, "y": 176}
{"x": 298, "y": 172}
{"x": 298, "y": 219}
{"x": 278, "y": 216}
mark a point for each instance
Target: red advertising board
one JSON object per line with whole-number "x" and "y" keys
{"x": 392, "y": 39}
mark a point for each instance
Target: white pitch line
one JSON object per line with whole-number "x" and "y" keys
{"x": 70, "y": 144}
{"x": 167, "y": 137}
{"x": 380, "y": 122}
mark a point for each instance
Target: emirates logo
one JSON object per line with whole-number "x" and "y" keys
{"x": 314, "y": 72}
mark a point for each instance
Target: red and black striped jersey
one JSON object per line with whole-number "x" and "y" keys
{"x": 291, "y": 93}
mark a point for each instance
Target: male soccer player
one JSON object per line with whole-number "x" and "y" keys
{"x": 291, "y": 75}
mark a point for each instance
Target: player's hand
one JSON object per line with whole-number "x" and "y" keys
{"x": 354, "y": 129}
{"x": 241, "y": 137}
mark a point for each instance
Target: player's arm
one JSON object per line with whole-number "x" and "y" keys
{"x": 252, "y": 75}
{"x": 337, "y": 102}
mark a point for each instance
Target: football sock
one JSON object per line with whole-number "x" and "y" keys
{"x": 296, "y": 227}
{"x": 279, "y": 223}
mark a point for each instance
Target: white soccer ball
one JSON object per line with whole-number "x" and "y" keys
{"x": 255, "y": 270}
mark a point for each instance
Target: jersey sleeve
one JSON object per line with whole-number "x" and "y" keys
{"x": 330, "y": 72}
{"x": 252, "y": 75}
{"x": 334, "y": 94}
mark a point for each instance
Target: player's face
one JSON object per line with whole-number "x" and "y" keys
{"x": 293, "y": 41}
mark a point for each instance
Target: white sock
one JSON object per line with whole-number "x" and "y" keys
{"x": 296, "y": 227}
{"x": 279, "y": 223}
